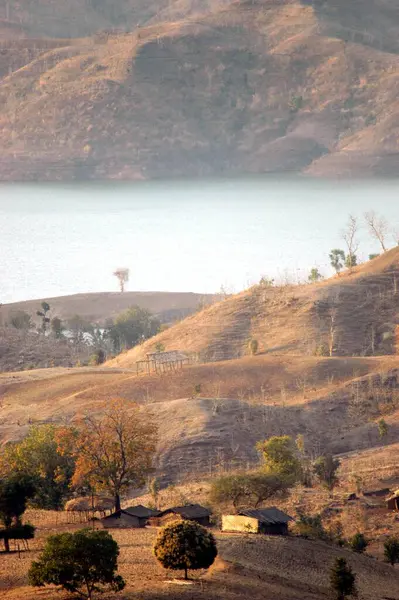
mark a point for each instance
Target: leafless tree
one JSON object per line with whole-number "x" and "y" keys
{"x": 349, "y": 237}
{"x": 378, "y": 227}
{"x": 123, "y": 276}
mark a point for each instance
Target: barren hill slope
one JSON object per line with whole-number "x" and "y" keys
{"x": 355, "y": 313}
{"x": 334, "y": 402}
{"x": 98, "y": 307}
{"x": 208, "y": 88}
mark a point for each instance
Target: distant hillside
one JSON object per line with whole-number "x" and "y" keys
{"x": 200, "y": 88}
{"x": 98, "y": 307}
{"x": 356, "y": 313}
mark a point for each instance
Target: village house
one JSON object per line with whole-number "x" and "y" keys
{"x": 270, "y": 521}
{"x": 190, "y": 512}
{"x": 133, "y": 516}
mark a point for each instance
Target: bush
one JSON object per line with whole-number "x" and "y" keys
{"x": 184, "y": 545}
{"x": 83, "y": 562}
{"x": 358, "y": 543}
{"x": 98, "y": 358}
{"x": 253, "y": 346}
{"x": 391, "y": 550}
{"x": 342, "y": 579}
{"x": 309, "y": 526}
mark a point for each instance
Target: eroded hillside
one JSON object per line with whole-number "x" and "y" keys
{"x": 205, "y": 88}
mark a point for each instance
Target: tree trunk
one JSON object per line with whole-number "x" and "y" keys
{"x": 7, "y": 544}
{"x": 185, "y": 573}
{"x": 117, "y": 502}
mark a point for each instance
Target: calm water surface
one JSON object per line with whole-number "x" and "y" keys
{"x": 181, "y": 236}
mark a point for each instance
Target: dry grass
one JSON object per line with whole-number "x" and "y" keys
{"x": 263, "y": 567}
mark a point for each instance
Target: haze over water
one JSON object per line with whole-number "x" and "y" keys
{"x": 177, "y": 236}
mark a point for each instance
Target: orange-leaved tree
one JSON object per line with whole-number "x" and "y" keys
{"x": 114, "y": 451}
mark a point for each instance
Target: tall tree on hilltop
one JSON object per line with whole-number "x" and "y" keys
{"x": 349, "y": 237}
{"x": 43, "y": 314}
{"x": 114, "y": 451}
{"x": 123, "y": 277}
{"x": 337, "y": 259}
{"x": 378, "y": 227}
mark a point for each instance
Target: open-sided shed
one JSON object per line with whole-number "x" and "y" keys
{"x": 264, "y": 520}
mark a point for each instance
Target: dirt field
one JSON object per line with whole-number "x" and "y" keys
{"x": 263, "y": 568}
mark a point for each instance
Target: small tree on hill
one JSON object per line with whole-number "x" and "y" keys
{"x": 350, "y": 261}
{"x": 315, "y": 275}
{"x": 123, "y": 277}
{"x": 83, "y": 563}
{"x": 253, "y": 346}
{"x": 325, "y": 468}
{"x": 358, "y": 543}
{"x": 337, "y": 259}
{"x": 342, "y": 579}
{"x": 349, "y": 237}
{"x": 279, "y": 457}
{"x": 391, "y": 550}
{"x": 382, "y": 428}
{"x": 21, "y": 320}
{"x": 373, "y": 256}
{"x": 185, "y": 545}
{"x": 43, "y": 314}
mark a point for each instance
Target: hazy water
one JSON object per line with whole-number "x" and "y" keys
{"x": 184, "y": 236}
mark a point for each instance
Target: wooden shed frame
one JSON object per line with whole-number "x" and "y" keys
{"x": 162, "y": 362}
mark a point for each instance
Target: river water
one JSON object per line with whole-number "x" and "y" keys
{"x": 177, "y": 236}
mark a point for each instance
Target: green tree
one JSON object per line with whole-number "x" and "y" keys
{"x": 382, "y": 428}
{"x": 350, "y": 261}
{"x": 325, "y": 468}
{"x": 15, "y": 492}
{"x": 358, "y": 543}
{"x": 154, "y": 491}
{"x": 38, "y": 457}
{"x": 57, "y": 327}
{"x": 185, "y": 545}
{"x": 251, "y": 489}
{"x": 132, "y": 327}
{"x": 315, "y": 275}
{"x": 279, "y": 457}
{"x": 373, "y": 256}
{"x": 310, "y": 526}
{"x": 83, "y": 563}
{"x": 342, "y": 579}
{"x": 21, "y": 320}
{"x": 43, "y": 314}
{"x": 160, "y": 347}
{"x": 253, "y": 346}
{"x": 391, "y": 550}
{"x": 337, "y": 259}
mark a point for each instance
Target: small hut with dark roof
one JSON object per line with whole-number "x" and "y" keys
{"x": 271, "y": 521}
{"x": 190, "y": 512}
{"x": 133, "y": 516}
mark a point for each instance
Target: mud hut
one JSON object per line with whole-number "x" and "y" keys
{"x": 271, "y": 521}
{"x": 133, "y": 516}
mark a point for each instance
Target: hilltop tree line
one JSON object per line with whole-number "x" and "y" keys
{"x": 129, "y": 328}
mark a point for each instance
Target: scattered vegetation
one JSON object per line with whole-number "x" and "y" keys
{"x": 391, "y": 550}
{"x": 342, "y": 579}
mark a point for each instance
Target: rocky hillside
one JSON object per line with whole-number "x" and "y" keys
{"x": 199, "y": 88}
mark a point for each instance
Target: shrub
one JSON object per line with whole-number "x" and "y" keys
{"x": 185, "y": 545}
{"x": 391, "y": 550}
{"x": 253, "y": 346}
{"x": 98, "y": 358}
{"x": 83, "y": 562}
{"x": 342, "y": 579}
{"x": 309, "y": 526}
{"x": 325, "y": 469}
{"x": 358, "y": 543}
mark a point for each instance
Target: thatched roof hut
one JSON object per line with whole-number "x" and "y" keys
{"x": 88, "y": 505}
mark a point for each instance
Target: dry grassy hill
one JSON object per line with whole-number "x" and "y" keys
{"x": 203, "y": 88}
{"x": 356, "y": 312}
{"x": 98, "y": 307}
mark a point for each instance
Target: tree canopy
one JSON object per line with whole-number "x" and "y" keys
{"x": 325, "y": 468}
{"x": 15, "y": 492}
{"x": 113, "y": 451}
{"x": 131, "y": 327}
{"x": 83, "y": 562}
{"x": 185, "y": 545}
{"x": 279, "y": 457}
{"x": 249, "y": 489}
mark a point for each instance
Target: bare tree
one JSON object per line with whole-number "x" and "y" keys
{"x": 349, "y": 237}
{"x": 332, "y": 331}
{"x": 123, "y": 276}
{"x": 378, "y": 227}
